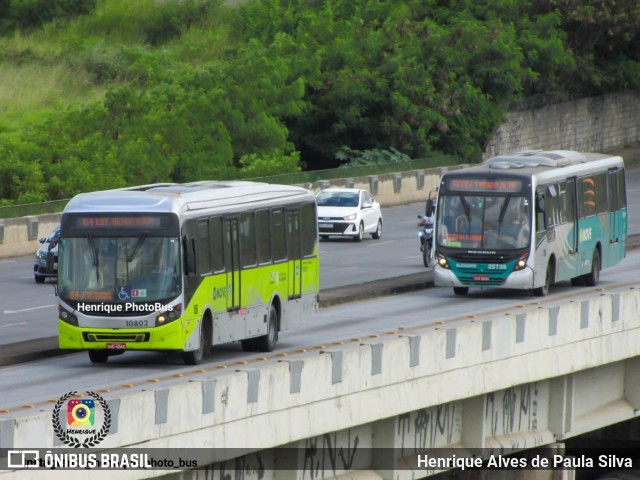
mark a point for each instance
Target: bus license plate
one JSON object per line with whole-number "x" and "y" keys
{"x": 481, "y": 278}
{"x": 116, "y": 346}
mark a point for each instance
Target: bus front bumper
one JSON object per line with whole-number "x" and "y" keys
{"x": 521, "y": 280}
{"x": 166, "y": 337}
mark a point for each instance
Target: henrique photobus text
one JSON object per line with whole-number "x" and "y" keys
{"x": 123, "y": 307}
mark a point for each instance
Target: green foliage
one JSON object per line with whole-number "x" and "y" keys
{"x": 29, "y": 14}
{"x": 256, "y": 165}
{"x": 357, "y": 158}
{"x": 118, "y": 92}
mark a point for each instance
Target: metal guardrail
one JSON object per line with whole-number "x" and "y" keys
{"x": 23, "y": 210}
{"x": 26, "y": 209}
{"x": 361, "y": 171}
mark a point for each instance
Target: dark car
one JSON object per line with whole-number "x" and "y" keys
{"x": 40, "y": 263}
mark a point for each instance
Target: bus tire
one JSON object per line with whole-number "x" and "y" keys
{"x": 548, "y": 281}
{"x": 578, "y": 281}
{"x": 592, "y": 278}
{"x": 194, "y": 357}
{"x": 460, "y": 290}
{"x": 98, "y": 356}
{"x": 267, "y": 342}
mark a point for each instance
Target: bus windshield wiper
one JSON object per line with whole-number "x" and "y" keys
{"x": 136, "y": 247}
{"x": 94, "y": 251}
{"x": 465, "y": 207}
{"x": 503, "y": 210}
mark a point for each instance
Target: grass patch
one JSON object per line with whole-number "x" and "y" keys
{"x": 31, "y": 90}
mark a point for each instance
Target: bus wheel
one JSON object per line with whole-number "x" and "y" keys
{"x": 592, "y": 278}
{"x": 267, "y": 342}
{"x": 548, "y": 280}
{"x": 194, "y": 357}
{"x": 460, "y": 290}
{"x": 578, "y": 281}
{"x": 98, "y": 356}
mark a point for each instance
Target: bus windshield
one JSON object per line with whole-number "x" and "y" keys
{"x": 495, "y": 222}
{"x": 119, "y": 269}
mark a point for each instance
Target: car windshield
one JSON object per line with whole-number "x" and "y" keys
{"x": 337, "y": 199}
{"x": 113, "y": 269}
{"x": 484, "y": 222}
{"x": 54, "y": 235}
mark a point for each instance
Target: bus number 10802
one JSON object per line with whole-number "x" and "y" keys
{"x": 137, "y": 323}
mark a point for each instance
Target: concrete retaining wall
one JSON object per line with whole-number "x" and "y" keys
{"x": 595, "y": 124}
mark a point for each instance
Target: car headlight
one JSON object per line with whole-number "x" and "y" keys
{"x": 40, "y": 255}
{"x": 353, "y": 216}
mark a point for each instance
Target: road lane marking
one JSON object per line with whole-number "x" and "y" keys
{"x": 13, "y": 324}
{"x": 28, "y": 309}
{"x": 379, "y": 243}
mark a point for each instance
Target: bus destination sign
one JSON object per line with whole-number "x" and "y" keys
{"x": 484, "y": 185}
{"x": 118, "y": 221}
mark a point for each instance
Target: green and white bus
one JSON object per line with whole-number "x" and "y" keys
{"x": 529, "y": 220}
{"x": 182, "y": 267}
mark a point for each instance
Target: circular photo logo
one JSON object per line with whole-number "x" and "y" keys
{"x": 81, "y": 420}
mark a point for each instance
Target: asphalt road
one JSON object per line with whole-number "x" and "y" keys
{"x": 349, "y": 271}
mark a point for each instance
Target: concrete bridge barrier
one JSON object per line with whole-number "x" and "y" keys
{"x": 517, "y": 379}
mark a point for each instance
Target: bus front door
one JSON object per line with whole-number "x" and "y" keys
{"x": 232, "y": 261}
{"x": 294, "y": 247}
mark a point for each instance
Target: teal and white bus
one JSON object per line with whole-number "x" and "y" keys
{"x": 182, "y": 267}
{"x": 529, "y": 220}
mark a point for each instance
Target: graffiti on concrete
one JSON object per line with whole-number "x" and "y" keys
{"x": 330, "y": 454}
{"x": 430, "y": 427}
{"x": 513, "y": 410}
{"x": 247, "y": 467}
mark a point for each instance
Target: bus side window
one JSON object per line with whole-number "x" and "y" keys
{"x": 622, "y": 190}
{"x": 310, "y": 229}
{"x": 551, "y": 206}
{"x": 588, "y": 196}
{"x": 189, "y": 247}
{"x": 263, "y": 237}
{"x": 217, "y": 244}
{"x": 601, "y": 193}
{"x": 541, "y": 225}
{"x": 563, "y": 208}
{"x": 204, "y": 249}
{"x": 247, "y": 240}
{"x": 278, "y": 235}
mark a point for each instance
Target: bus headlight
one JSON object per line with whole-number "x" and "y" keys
{"x": 67, "y": 316}
{"x": 521, "y": 263}
{"x": 169, "y": 315}
{"x": 442, "y": 262}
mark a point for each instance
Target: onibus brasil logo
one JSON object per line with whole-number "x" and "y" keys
{"x": 81, "y": 420}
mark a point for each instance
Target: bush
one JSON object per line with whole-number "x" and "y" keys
{"x": 29, "y": 14}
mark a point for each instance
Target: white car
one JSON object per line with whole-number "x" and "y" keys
{"x": 350, "y": 212}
